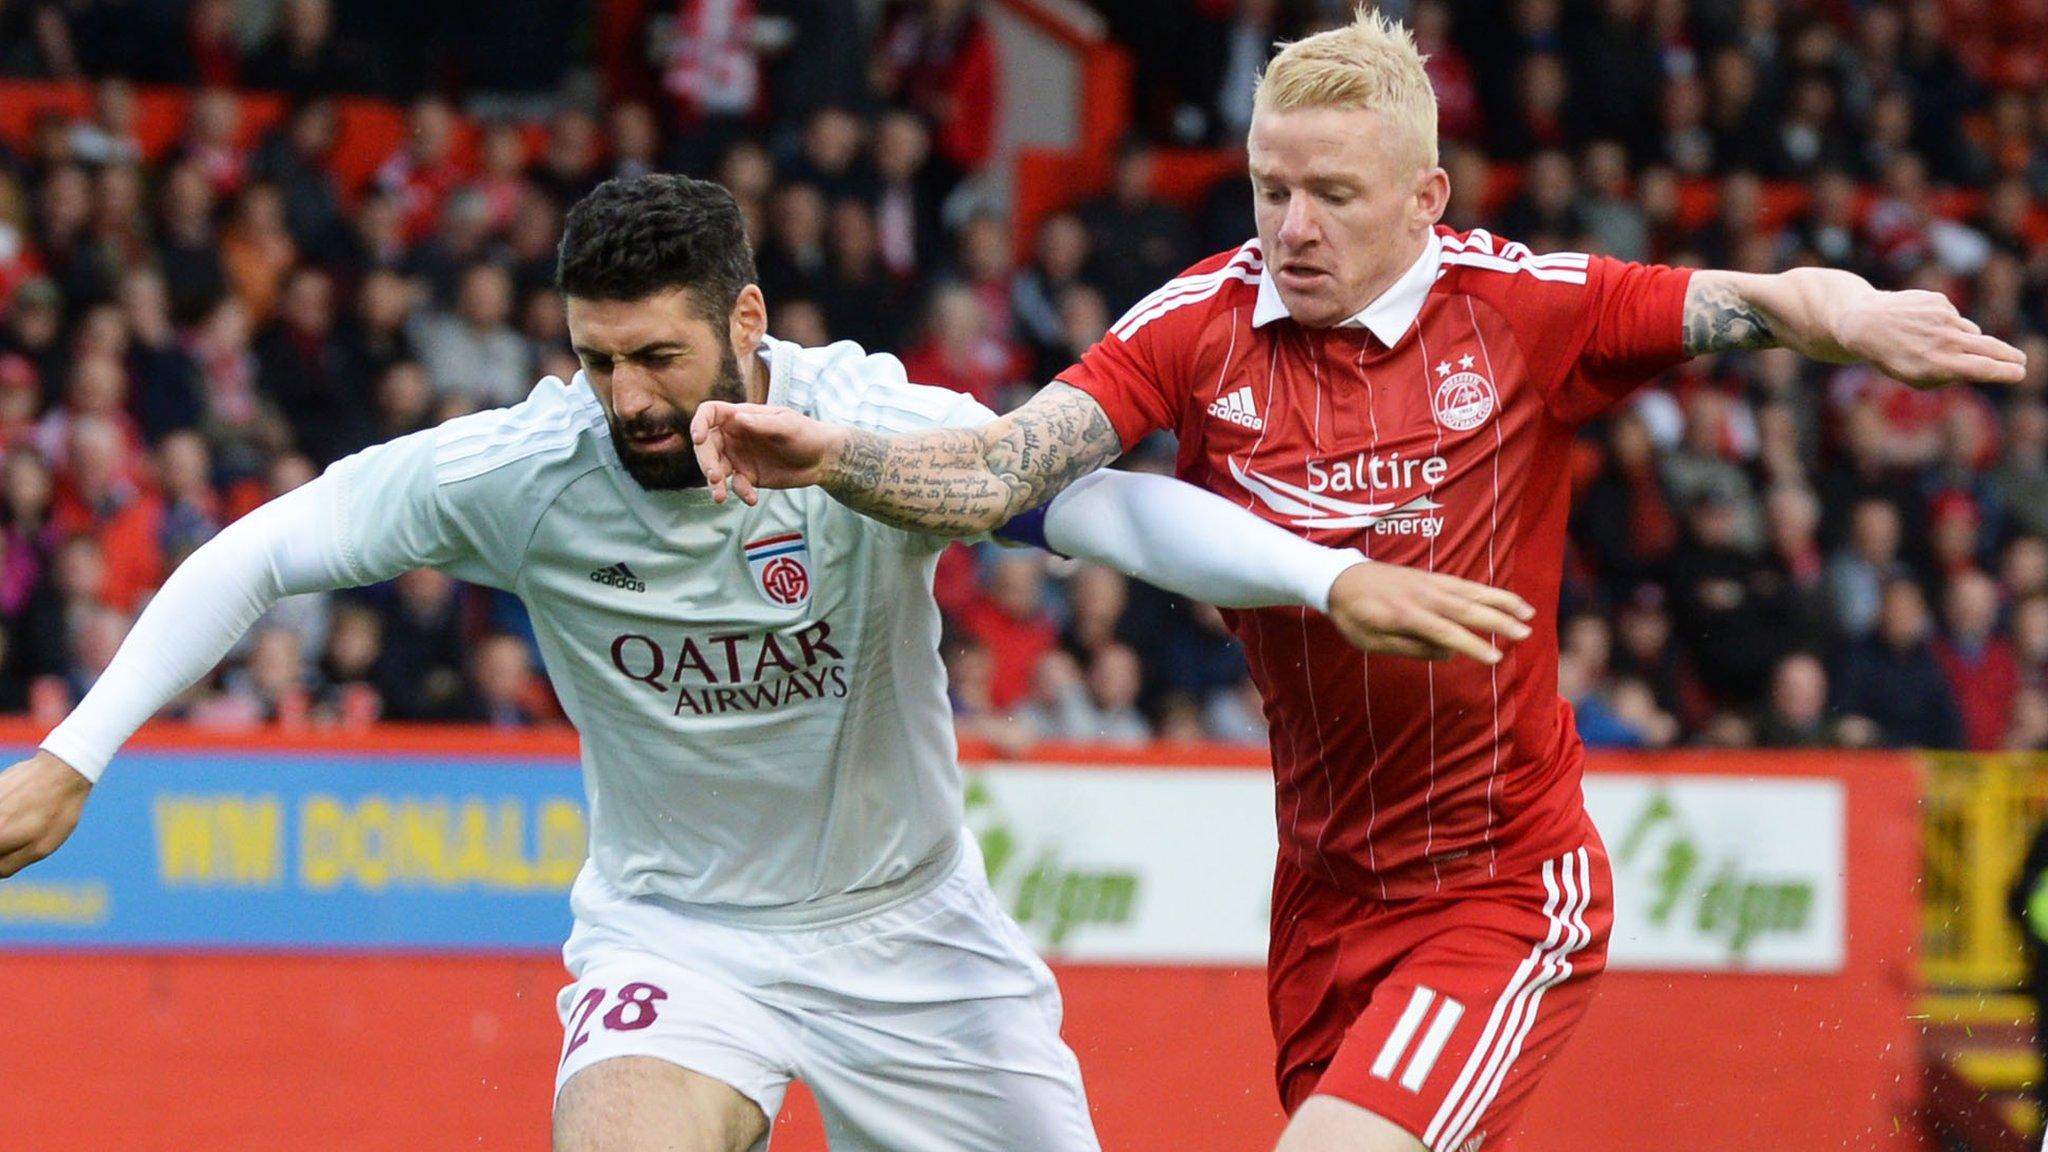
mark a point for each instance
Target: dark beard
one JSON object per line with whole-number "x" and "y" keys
{"x": 678, "y": 467}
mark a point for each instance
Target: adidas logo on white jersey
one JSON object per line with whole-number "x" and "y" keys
{"x": 619, "y": 576}
{"x": 1238, "y": 409}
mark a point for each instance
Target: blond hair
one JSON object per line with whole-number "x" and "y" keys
{"x": 1370, "y": 63}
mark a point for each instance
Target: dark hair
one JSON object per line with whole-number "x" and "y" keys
{"x": 636, "y": 236}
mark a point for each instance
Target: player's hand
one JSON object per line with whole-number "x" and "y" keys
{"x": 1919, "y": 338}
{"x": 1409, "y": 612}
{"x": 40, "y": 799}
{"x": 744, "y": 447}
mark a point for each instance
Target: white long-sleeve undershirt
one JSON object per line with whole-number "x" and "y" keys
{"x": 1159, "y": 530}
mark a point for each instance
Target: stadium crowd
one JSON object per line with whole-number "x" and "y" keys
{"x": 1766, "y": 551}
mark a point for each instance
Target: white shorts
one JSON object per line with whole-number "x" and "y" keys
{"x": 929, "y": 1025}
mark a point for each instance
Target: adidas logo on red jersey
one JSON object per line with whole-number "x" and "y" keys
{"x": 1238, "y": 409}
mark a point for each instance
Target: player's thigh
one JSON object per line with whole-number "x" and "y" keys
{"x": 976, "y": 1076}
{"x": 1327, "y": 1124}
{"x": 680, "y": 1051}
{"x": 646, "y": 1104}
{"x": 1458, "y": 1034}
{"x": 942, "y": 1033}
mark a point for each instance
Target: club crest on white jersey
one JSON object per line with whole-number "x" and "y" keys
{"x": 781, "y": 568}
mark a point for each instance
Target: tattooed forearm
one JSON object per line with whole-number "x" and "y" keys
{"x": 1718, "y": 318}
{"x": 956, "y": 482}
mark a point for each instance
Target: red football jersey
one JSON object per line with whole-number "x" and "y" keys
{"x": 1431, "y": 430}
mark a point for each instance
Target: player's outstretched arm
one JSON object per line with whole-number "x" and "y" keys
{"x": 1915, "y": 337}
{"x": 1187, "y": 540}
{"x": 284, "y": 547}
{"x": 947, "y": 482}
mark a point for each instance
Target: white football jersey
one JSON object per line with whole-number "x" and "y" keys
{"x": 765, "y": 728}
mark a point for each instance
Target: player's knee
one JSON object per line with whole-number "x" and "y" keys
{"x": 642, "y": 1104}
{"x": 1327, "y": 1124}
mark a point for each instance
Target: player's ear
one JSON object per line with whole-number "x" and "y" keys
{"x": 749, "y": 321}
{"x": 1432, "y": 196}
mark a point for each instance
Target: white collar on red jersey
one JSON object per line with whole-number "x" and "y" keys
{"x": 1389, "y": 316}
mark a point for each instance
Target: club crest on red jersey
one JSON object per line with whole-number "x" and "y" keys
{"x": 781, "y": 568}
{"x": 1464, "y": 398}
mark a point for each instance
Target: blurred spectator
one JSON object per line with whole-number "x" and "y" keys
{"x": 1646, "y": 650}
{"x": 1115, "y": 678}
{"x": 792, "y": 258}
{"x": 1893, "y": 680}
{"x": 213, "y": 54}
{"x": 1546, "y": 213}
{"x": 1826, "y": 232}
{"x": 1010, "y": 621}
{"x": 505, "y": 690}
{"x": 423, "y": 171}
{"x": 829, "y": 154}
{"x": 957, "y": 350}
{"x": 101, "y": 496}
{"x": 405, "y": 400}
{"x": 1194, "y": 651}
{"x": 271, "y": 687}
{"x": 1607, "y": 214}
{"x": 166, "y": 380}
{"x": 635, "y": 140}
{"x": 1858, "y": 573}
{"x": 301, "y": 57}
{"x": 108, "y": 138}
{"x": 1699, "y": 469}
{"x": 1795, "y": 715}
{"x": 475, "y": 351}
{"x": 419, "y": 674}
{"x": 1730, "y": 603}
{"x": 1083, "y": 322}
{"x": 1792, "y": 525}
{"x": 2021, "y": 478}
{"x": 347, "y": 669}
{"x": 1809, "y": 140}
{"x": 907, "y": 195}
{"x": 1059, "y": 253}
{"x": 212, "y": 144}
{"x": 1459, "y": 115}
{"x": 862, "y": 302}
{"x": 375, "y": 337}
{"x": 1137, "y": 241}
{"x": 568, "y": 167}
{"x": 938, "y": 58}
{"x": 1626, "y": 520}
{"x": 306, "y": 368}
{"x": 1982, "y": 673}
{"x": 462, "y": 241}
{"x": 191, "y": 507}
{"x": 1539, "y": 117}
{"x": 189, "y": 248}
{"x": 257, "y": 251}
{"x": 1233, "y": 715}
{"x": 970, "y": 677}
{"x": 295, "y": 158}
{"x": 1058, "y": 707}
{"x": 984, "y": 266}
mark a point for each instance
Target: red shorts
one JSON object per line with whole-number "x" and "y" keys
{"x": 1437, "y": 1013}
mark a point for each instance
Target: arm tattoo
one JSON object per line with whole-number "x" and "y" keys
{"x": 957, "y": 482}
{"x": 1719, "y": 319}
